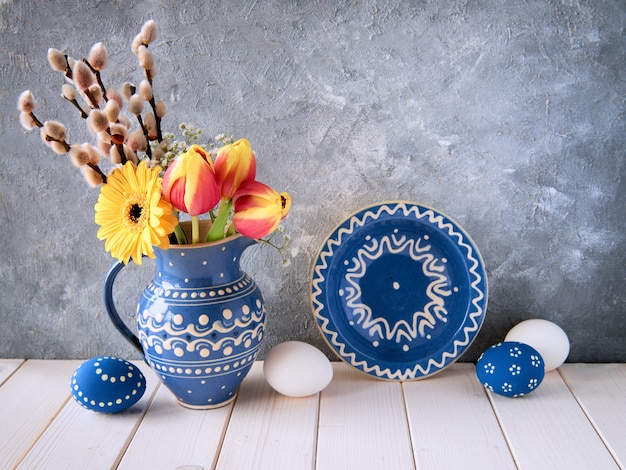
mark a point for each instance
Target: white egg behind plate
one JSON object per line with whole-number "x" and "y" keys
{"x": 297, "y": 369}
{"x": 546, "y": 337}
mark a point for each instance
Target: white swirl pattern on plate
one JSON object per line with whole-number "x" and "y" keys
{"x": 432, "y": 267}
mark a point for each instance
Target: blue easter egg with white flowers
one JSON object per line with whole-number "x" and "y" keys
{"x": 107, "y": 384}
{"x": 510, "y": 368}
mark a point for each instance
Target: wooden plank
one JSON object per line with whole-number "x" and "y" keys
{"x": 452, "y": 422}
{"x": 268, "y": 430}
{"x": 29, "y": 400}
{"x": 601, "y": 391}
{"x": 547, "y": 429}
{"x": 7, "y": 367}
{"x": 362, "y": 423}
{"x": 80, "y": 438}
{"x": 171, "y": 436}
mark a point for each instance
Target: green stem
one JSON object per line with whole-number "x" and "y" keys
{"x": 231, "y": 230}
{"x": 219, "y": 224}
{"x": 195, "y": 229}
{"x": 181, "y": 238}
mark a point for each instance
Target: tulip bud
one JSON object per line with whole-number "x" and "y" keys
{"x": 259, "y": 209}
{"x": 98, "y": 56}
{"x": 234, "y": 165}
{"x": 189, "y": 182}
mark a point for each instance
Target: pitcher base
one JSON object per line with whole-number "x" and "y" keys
{"x": 207, "y": 407}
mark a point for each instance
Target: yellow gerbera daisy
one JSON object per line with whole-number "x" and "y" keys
{"x": 132, "y": 215}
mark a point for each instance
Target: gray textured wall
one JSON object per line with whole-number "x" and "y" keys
{"x": 507, "y": 116}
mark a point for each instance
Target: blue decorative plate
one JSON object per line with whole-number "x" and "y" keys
{"x": 399, "y": 291}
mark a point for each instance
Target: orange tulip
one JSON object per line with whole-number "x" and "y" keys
{"x": 259, "y": 209}
{"x": 235, "y": 164}
{"x": 189, "y": 182}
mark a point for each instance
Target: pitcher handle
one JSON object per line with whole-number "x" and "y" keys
{"x": 109, "y": 306}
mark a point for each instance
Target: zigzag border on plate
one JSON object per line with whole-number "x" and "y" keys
{"x": 332, "y": 336}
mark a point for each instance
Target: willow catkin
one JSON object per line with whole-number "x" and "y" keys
{"x": 135, "y": 105}
{"x": 161, "y": 108}
{"x": 68, "y": 92}
{"x": 57, "y": 60}
{"x": 92, "y": 177}
{"x": 97, "y": 121}
{"x": 148, "y": 32}
{"x": 27, "y": 121}
{"x": 137, "y": 141}
{"x": 145, "y": 90}
{"x": 79, "y": 156}
{"x": 83, "y": 76}
{"x": 112, "y": 110}
{"x": 98, "y": 56}
{"x": 26, "y": 102}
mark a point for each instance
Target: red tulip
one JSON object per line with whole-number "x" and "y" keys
{"x": 235, "y": 164}
{"x": 189, "y": 182}
{"x": 259, "y": 209}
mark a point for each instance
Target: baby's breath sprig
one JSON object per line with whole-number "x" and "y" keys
{"x": 283, "y": 246}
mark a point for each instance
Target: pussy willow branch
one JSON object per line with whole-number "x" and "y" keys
{"x": 99, "y": 79}
{"x": 152, "y": 102}
{"x": 82, "y": 112}
{"x": 146, "y": 135}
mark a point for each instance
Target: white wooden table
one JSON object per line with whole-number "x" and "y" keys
{"x": 576, "y": 419}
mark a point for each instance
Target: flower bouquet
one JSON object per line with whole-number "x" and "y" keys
{"x": 200, "y": 322}
{"x": 154, "y": 178}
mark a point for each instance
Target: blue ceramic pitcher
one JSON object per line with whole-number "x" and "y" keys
{"x": 200, "y": 321}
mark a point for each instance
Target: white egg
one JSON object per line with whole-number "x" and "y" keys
{"x": 546, "y": 337}
{"x": 297, "y": 369}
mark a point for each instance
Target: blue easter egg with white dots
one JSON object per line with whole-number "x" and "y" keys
{"x": 510, "y": 368}
{"x": 107, "y": 384}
